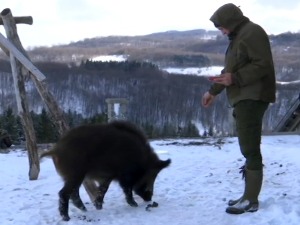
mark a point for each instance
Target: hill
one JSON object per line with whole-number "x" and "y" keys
{"x": 172, "y": 48}
{"x": 156, "y": 99}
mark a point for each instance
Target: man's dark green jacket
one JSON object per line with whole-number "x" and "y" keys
{"x": 248, "y": 58}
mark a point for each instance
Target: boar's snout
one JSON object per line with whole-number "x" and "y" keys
{"x": 145, "y": 187}
{"x": 147, "y": 196}
{"x": 144, "y": 192}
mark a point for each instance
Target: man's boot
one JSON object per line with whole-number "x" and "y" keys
{"x": 249, "y": 201}
{"x": 243, "y": 172}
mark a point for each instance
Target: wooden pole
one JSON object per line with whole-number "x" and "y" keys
{"x": 21, "y": 20}
{"x": 7, "y": 47}
{"x": 18, "y": 19}
{"x": 22, "y": 105}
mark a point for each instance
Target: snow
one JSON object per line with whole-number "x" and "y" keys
{"x": 108, "y": 58}
{"x": 194, "y": 190}
{"x": 199, "y": 71}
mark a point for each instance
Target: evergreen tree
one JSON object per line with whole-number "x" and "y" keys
{"x": 211, "y": 131}
{"x": 191, "y": 130}
{"x": 9, "y": 123}
{"x": 73, "y": 118}
{"x": 45, "y": 129}
{"x": 98, "y": 118}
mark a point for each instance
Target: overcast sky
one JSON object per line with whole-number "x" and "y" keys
{"x": 64, "y": 21}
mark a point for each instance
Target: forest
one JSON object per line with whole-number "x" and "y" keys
{"x": 164, "y": 104}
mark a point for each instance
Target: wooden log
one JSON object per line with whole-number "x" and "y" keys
{"x": 22, "y": 105}
{"x": 18, "y": 19}
{"x": 21, "y": 20}
{"x": 7, "y": 46}
{"x": 26, "y": 63}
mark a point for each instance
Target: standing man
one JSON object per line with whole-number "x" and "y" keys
{"x": 249, "y": 80}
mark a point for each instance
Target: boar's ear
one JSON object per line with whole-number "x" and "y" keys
{"x": 163, "y": 164}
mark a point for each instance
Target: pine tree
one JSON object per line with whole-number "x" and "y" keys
{"x": 8, "y": 122}
{"x": 98, "y": 118}
{"x": 45, "y": 130}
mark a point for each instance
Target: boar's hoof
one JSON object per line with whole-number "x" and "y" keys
{"x": 65, "y": 217}
{"x": 132, "y": 203}
{"x": 98, "y": 205}
{"x": 79, "y": 205}
{"x": 83, "y": 208}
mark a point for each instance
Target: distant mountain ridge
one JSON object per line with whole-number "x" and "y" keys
{"x": 156, "y": 47}
{"x": 160, "y": 36}
{"x": 164, "y": 48}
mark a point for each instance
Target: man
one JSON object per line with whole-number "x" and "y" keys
{"x": 249, "y": 80}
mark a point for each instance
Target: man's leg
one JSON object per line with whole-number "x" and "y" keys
{"x": 249, "y": 115}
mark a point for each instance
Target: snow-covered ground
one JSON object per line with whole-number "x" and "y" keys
{"x": 194, "y": 190}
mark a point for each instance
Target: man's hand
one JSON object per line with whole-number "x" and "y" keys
{"x": 225, "y": 79}
{"x": 207, "y": 99}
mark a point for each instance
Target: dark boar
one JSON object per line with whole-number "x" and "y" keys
{"x": 105, "y": 152}
{"x": 5, "y": 140}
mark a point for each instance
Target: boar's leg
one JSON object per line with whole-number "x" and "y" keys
{"x": 129, "y": 196}
{"x": 75, "y": 197}
{"x": 65, "y": 194}
{"x": 126, "y": 184}
{"x": 63, "y": 207}
{"x": 102, "y": 189}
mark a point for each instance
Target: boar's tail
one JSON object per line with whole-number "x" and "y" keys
{"x": 49, "y": 153}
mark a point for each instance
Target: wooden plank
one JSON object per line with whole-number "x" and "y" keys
{"x": 26, "y": 62}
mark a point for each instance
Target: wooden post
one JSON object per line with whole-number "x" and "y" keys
{"x": 38, "y": 79}
{"x": 8, "y": 47}
{"x": 18, "y": 19}
{"x": 23, "y": 111}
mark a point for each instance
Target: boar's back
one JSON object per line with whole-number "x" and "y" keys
{"x": 104, "y": 150}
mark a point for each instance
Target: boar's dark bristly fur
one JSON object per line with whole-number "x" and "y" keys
{"x": 105, "y": 152}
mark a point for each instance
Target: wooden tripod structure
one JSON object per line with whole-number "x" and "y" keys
{"x": 23, "y": 69}
{"x": 291, "y": 120}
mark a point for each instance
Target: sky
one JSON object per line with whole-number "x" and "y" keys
{"x": 193, "y": 190}
{"x": 63, "y": 21}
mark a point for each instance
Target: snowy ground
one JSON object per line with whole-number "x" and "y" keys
{"x": 192, "y": 191}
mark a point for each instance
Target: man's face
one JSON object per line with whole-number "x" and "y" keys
{"x": 224, "y": 30}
